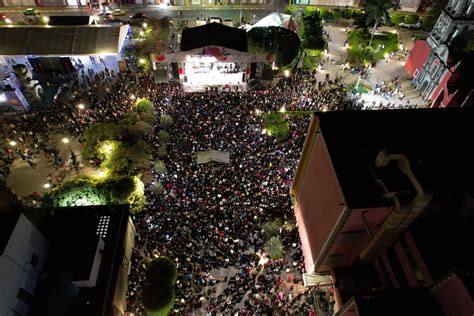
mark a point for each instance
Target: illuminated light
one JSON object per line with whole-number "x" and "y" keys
{"x": 263, "y": 260}
{"x": 81, "y": 106}
{"x": 182, "y": 300}
{"x": 102, "y": 173}
{"x": 8, "y": 21}
{"x": 142, "y": 33}
{"x": 386, "y": 55}
{"x": 142, "y": 61}
{"x": 258, "y": 112}
{"x": 287, "y": 73}
{"x": 46, "y": 185}
{"x": 45, "y": 19}
{"x": 133, "y": 97}
{"x": 145, "y": 25}
{"x": 264, "y": 131}
{"x": 3, "y": 98}
{"x": 65, "y": 140}
{"x": 12, "y": 143}
{"x": 283, "y": 110}
{"x": 325, "y": 51}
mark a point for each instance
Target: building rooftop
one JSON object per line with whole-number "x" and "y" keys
{"x": 69, "y": 230}
{"x": 61, "y": 40}
{"x": 436, "y": 142}
{"x": 214, "y": 34}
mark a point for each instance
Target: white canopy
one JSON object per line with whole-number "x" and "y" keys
{"x": 273, "y": 19}
{"x": 213, "y": 156}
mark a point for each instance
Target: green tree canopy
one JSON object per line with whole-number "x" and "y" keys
{"x": 312, "y": 31}
{"x": 272, "y": 228}
{"x": 397, "y": 18}
{"x": 89, "y": 190}
{"x": 411, "y": 19}
{"x": 274, "y": 248}
{"x": 275, "y": 40}
{"x": 377, "y": 11}
{"x": 347, "y": 13}
{"x": 166, "y": 121}
{"x": 161, "y": 270}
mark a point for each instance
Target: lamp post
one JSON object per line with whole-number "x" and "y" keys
{"x": 241, "y": 17}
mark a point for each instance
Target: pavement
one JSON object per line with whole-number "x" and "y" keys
{"x": 24, "y": 180}
{"x": 383, "y": 71}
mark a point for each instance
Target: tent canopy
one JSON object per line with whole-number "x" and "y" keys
{"x": 274, "y": 19}
{"x": 213, "y": 156}
{"x": 214, "y": 34}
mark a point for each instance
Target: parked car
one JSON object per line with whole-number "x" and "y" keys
{"x": 138, "y": 18}
{"x": 118, "y": 12}
{"x": 214, "y": 19}
{"x": 4, "y": 18}
{"x": 30, "y": 12}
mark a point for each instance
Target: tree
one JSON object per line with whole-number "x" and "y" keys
{"x": 411, "y": 19}
{"x": 161, "y": 270}
{"x": 312, "y": 31}
{"x": 336, "y": 14}
{"x": 166, "y": 121}
{"x": 160, "y": 278}
{"x": 360, "y": 20}
{"x": 429, "y": 21}
{"x": 347, "y": 14}
{"x": 159, "y": 167}
{"x": 272, "y": 228}
{"x": 275, "y": 40}
{"x": 162, "y": 151}
{"x": 144, "y": 105}
{"x": 397, "y": 18}
{"x": 157, "y": 189}
{"x": 274, "y": 248}
{"x": 163, "y": 136}
{"x": 377, "y": 11}
{"x": 140, "y": 129}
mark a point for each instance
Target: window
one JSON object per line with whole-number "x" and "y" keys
{"x": 24, "y": 296}
{"x": 416, "y": 73}
{"x": 103, "y": 226}
{"x": 34, "y": 260}
{"x": 397, "y": 267}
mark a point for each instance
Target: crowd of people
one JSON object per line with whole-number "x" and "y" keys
{"x": 219, "y": 246}
{"x": 209, "y": 218}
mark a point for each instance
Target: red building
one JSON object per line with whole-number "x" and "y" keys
{"x": 442, "y": 67}
{"x": 385, "y": 211}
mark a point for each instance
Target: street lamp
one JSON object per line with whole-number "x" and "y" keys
{"x": 12, "y": 143}
{"x": 145, "y": 25}
{"x": 46, "y": 185}
{"x": 65, "y": 140}
{"x": 81, "y": 106}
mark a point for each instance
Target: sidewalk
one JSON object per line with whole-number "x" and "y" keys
{"x": 24, "y": 180}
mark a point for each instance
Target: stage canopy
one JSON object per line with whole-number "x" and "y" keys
{"x": 273, "y": 19}
{"x": 21, "y": 40}
{"x": 214, "y": 34}
{"x": 213, "y": 156}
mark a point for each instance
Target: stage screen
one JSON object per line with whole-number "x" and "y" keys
{"x": 207, "y": 71}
